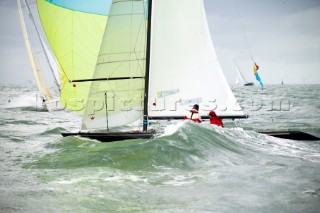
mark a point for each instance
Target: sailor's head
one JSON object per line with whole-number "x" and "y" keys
{"x": 196, "y": 107}
{"x": 212, "y": 113}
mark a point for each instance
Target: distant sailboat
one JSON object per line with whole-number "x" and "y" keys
{"x": 35, "y": 47}
{"x": 149, "y": 72}
{"x": 240, "y": 78}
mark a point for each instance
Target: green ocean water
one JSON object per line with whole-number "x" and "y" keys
{"x": 189, "y": 168}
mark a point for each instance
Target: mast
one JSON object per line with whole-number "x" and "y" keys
{"x": 148, "y": 53}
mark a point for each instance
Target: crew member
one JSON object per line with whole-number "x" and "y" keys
{"x": 193, "y": 114}
{"x": 214, "y": 119}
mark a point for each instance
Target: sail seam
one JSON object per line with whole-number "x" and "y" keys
{"x": 110, "y": 62}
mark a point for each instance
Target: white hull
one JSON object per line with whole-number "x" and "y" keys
{"x": 53, "y": 105}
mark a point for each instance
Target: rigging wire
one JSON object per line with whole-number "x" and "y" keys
{"x": 244, "y": 34}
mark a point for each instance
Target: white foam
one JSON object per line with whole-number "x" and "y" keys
{"x": 181, "y": 180}
{"x": 172, "y": 128}
{"x": 30, "y": 100}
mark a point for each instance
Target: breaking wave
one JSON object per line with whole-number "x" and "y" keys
{"x": 189, "y": 146}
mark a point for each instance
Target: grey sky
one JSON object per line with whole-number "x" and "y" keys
{"x": 283, "y": 37}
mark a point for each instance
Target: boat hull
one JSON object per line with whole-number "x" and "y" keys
{"x": 249, "y": 84}
{"x": 53, "y": 105}
{"x": 112, "y": 136}
{"x": 292, "y": 135}
{"x": 121, "y": 136}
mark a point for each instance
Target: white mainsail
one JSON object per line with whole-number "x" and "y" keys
{"x": 184, "y": 65}
{"x": 36, "y": 49}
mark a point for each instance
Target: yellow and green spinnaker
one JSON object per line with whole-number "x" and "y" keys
{"x": 74, "y": 29}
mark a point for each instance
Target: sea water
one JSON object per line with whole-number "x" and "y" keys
{"x": 189, "y": 168}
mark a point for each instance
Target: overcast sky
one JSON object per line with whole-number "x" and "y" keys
{"x": 282, "y": 36}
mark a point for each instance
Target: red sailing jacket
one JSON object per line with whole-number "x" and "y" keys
{"x": 216, "y": 121}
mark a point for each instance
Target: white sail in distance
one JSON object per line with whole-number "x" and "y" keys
{"x": 40, "y": 56}
{"x": 42, "y": 86}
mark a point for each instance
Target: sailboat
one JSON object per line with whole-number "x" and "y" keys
{"x": 240, "y": 78}
{"x": 37, "y": 48}
{"x": 153, "y": 65}
{"x": 128, "y": 62}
